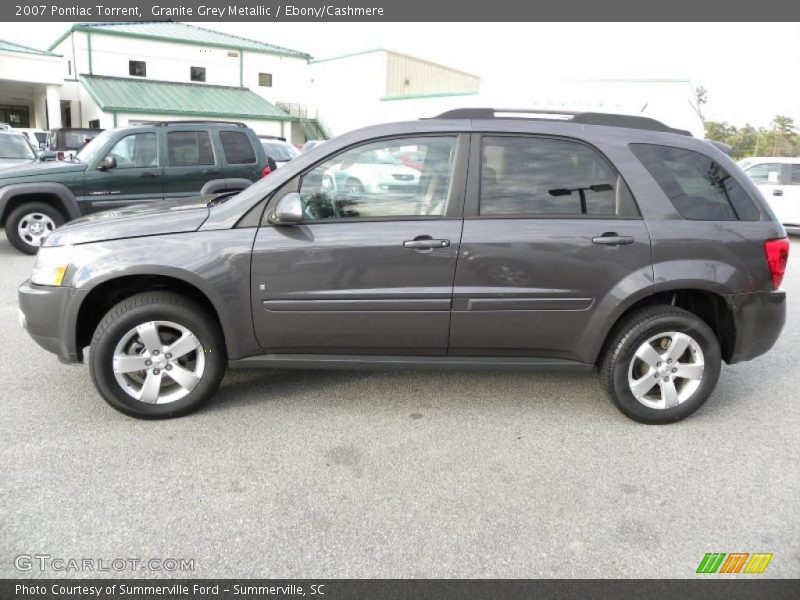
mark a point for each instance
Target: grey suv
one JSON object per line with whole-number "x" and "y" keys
{"x": 574, "y": 242}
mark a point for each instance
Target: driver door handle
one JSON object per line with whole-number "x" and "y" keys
{"x": 425, "y": 243}
{"x": 612, "y": 239}
{"x": 777, "y": 192}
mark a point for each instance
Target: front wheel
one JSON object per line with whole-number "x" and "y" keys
{"x": 30, "y": 223}
{"x": 661, "y": 365}
{"x": 157, "y": 355}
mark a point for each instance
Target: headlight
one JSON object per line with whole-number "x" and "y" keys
{"x": 51, "y": 265}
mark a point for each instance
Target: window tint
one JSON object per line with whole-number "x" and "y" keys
{"x": 765, "y": 173}
{"x": 137, "y": 68}
{"x": 189, "y": 148}
{"x": 137, "y": 150}
{"x": 795, "y": 175}
{"x": 370, "y": 181}
{"x": 197, "y": 73}
{"x": 237, "y": 147}
{"x": 523, "y": 175}
{"x": 698, "y": 187}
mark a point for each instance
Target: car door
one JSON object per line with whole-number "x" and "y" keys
{"x": 791, "y": 196}
{"x": 552, "y": 236}
{"x": 370, "y": 268}
{"x": 136, "y": 177}
{"x": 191, "y": 162}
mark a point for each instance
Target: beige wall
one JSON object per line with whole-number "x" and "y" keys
{"x": 424, "y": 77}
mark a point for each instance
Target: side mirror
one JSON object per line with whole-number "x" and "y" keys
{"x": 289, "y": 210}
{"x": 109, "y": 162}
{"x": 47, "y": 155}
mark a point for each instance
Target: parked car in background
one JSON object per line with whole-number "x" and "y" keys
{"x": 38, "y": 137}
{"x": 778, "y": 178}
{"x": 278, "y": 149}
{"x": 66, "y": 142}
{"x": 169, "y": 161}
{"x": 642, "y": 252}
{"x": 15, "y": 150}
{"x": 310, "y": 144}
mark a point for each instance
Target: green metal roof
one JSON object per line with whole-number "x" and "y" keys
{"x": 180, "y": 33}
{"x": 145, "y": 96}
{"x": 12, "y": 47}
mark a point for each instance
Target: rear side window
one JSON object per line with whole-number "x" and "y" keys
{"x": 189, "y": 148}
{"x": 545, "y": 177}
{"x": 795, "y": 175}
{"x": 237, "y": 147}
{"x": 699, "y": 188}
{"x": 765, "y": 173}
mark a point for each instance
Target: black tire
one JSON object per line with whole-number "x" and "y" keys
{"x": 24, "y": 211}
{"x": 630, "y": 335}
{"x": 156, "y": 306}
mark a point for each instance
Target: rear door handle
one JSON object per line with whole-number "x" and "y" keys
{"x": 425, "y": 243}
{"x": 210, "y": 172}
{"x": 612, "y": 239}
{"x": 777, "y": 192}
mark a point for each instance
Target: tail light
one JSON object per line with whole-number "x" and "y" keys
{"x": 266, "y": 171}
{"x": 60, "y": 155}
{"x": 777, "y": 252}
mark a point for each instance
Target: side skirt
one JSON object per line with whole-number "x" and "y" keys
{"x": 336, "y": 361}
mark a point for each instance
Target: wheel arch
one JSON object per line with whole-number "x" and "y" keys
{"x": 707, "y": 301}
{"x": 109, "y": 292}
{"x": 56, "y": 194}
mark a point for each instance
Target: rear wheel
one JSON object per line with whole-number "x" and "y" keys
{"x": 157, "y": 355}
{"x": 661, "y": 365}
{"x": 30, "y": 223}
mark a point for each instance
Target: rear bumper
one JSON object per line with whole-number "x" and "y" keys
{"x": 758, "y": 318}
{"x": 49, "y": 315}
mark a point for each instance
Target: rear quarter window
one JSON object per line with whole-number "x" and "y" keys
{"x": 699, "y": 188}
{"x": 237, "y": 147}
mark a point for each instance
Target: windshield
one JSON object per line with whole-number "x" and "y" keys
{"x": 279, "y": 152}
{"x": 92, "y": 150}
{"x": 15, "y": 146}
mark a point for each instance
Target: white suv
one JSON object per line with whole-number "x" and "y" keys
{"x": 778, "y": 178}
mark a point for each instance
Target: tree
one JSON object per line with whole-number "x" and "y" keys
{"x": 783, "y": 125}
{"x": 700, "y": 98}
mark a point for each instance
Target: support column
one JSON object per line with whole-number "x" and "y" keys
{"x": 75, "y": 113}
{"x": 39, "y": 110}
{"x": 53, "y": 107}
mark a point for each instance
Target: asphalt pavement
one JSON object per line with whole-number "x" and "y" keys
{"x": 396, "y": 474}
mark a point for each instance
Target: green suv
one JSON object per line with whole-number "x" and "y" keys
{"x": 130, "y": 165}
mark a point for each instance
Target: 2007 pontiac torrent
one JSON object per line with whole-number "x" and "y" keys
{"x": 477, "y": 239}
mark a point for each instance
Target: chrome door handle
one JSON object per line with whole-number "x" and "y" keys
{"x": 777, "y": 192}
{"x": 425, "y": 243}
{"x": 612, "y": 239}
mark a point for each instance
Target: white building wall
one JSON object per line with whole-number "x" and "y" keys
{"x": 289, "y": 77}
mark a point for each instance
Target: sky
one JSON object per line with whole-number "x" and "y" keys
{"x": 751, "y": 71}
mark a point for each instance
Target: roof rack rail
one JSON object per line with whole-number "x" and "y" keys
{"x": 584, "y": 118}
{"x": 198, "y": 122}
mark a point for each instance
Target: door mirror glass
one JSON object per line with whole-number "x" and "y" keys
{"x": 108, "y": 163}
{"x": 289, "y": 210}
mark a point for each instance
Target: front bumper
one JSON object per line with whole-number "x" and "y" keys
{"x": 758, "y": 320}
{"x": 49, "y": 315}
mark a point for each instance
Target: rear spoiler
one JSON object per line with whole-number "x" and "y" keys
{"x": 720, "y": 146}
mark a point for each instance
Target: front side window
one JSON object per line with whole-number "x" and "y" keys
{"x": 237, "y": 147}
{"x": 137, "y": 68}
{"x": 769, "y": 173}
{"x": 189, "y": 148}
{"x": 698, "y": 187}
{"x": 136, "y": 151}
{"x": 545, "y": 177}
{"x": 370, "y": 181}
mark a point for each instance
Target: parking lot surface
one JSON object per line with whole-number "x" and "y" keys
{"x": 397, "y": 474}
